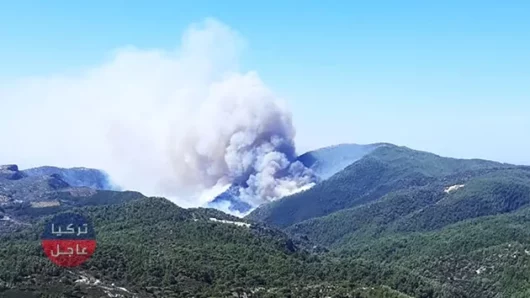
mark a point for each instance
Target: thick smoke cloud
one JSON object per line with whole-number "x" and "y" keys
{"x": 182, "y": 124}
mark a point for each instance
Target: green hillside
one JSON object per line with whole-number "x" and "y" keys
{"x": 424, "y": 208}
{"x": 152, "y": 248}
{"x": 397, "y": 223}
{"x": 388, "y": 168}
{"x": 483, "y": 257}
{"x": 462, "y": 224}
{"x": 475, "y": 239}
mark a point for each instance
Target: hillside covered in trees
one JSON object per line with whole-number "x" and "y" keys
{"x": 148, "y": 247}
{"x": 460, "y": 223}
{"x": 395, "y": 223}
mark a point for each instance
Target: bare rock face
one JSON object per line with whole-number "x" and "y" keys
{"x": 48, "y": 183}
{"x": 13, "y": 168}
{"x": 56, "y": 182}
{"x": 11, "y": 172}
{"x": 75, "y": 177}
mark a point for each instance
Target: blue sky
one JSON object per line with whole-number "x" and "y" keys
{"x": 450, "y": 77}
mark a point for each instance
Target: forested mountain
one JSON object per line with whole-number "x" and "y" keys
{"x": 386, "y": 169}
{"x": 149, "y": 247}
{"x": 460, "y": 223}
{"x": 473, "y": 237}
{"x": 425, "y": 208}
{"x": 395, "y": 223}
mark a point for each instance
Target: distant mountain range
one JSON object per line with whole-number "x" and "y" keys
{"x": 394, "y": 222}
{"x": 78, "y": 177}
{"x": 26, "y": 193}
{"x": 328, "y": 161}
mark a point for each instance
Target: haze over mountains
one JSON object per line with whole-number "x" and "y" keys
{"x": 392, "y": 222}
{"x": 77, "y": 177}
{"x": 194, "y": 122}
{"x": 322, "y": 163}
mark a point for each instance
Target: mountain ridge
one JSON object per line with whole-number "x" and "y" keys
{"x": 323, "y": 162}
{"x": 187, "y": 255}
{"x": 76, "y": 176}
{"x": 385, "y": 169}
{"x": 395, "y": 223}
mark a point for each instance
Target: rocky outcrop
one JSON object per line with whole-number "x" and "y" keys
{"x": 13, "y": 168}
{"x": 75, "y": 177}
{"x": 11, "y": 172}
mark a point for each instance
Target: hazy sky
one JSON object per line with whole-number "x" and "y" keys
{"x": 451, "y": 77}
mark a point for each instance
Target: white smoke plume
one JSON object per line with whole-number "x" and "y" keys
{"x": 182, "y": 124}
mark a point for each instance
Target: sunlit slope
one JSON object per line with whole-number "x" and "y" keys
{"x": 149, "y": 247}
{"x": 387, "y": 169}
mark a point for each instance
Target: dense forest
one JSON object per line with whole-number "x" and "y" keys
{"x": 396, "y": 223}
{"x": 155, "y": 249}
{"x": 460, "y": 223}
